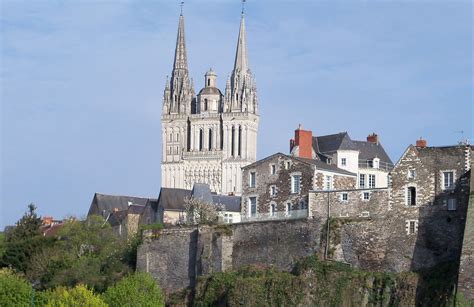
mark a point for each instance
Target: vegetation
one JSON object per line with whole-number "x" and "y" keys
{"x": 14, "y": 289}
{"x": 200, "y": 212}
{"x": 139, "y": 289}
{"x": 80, "y": 295}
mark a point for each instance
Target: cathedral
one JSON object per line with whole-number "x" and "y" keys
{"x": 209, "y": 137}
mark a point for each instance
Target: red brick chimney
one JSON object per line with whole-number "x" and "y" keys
{"x": 373, "y": 138}
{"x": 421, "y": 143}
{"x": 304, "y": 141}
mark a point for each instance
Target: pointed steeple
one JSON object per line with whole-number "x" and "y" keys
{"x": 180, "y": 58}
{"x": 241, "y": 60}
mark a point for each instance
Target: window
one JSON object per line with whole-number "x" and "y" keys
{"x": 252, "y": 206}
{"x": 228, "y": 218}
{"x": 371, "y": 181}
{"x": 411, "y": 196}
{"x": 287, "y": 164}
{"x": 344, "y": 196}
{"x": 362, "y": 181}
{"x": 303, "y": 205}
{"x": 253, "y": 180}
{"x": 295, "y": 183}
{"x": 273, "y": 190}
{"x": 273, "y": 169}
{"x": 208, "y": 82}
{"x": 452, "y": 204}
{"x": 328, "y": 182}
{"x": 201, "y": 139}
{"x": 411, "y": 226}
{"x": 448, "y": 180}
{"x": 239, "y": 148}
{"x": 205, "y": 104}
{"x": 210, "y": 139}
{"x": 273, "y": 209}
{"x": 343, "y": 162}
{"x": 411, "y": 174}
{"x": 366, "y": 196}
{"x": 288, "y": 208}
{"x": 232, "y": 143}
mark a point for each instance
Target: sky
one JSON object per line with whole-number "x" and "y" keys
{"x": 81, "y": 83}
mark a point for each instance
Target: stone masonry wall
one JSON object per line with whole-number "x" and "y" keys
{"x": 175, "y": 257}
{"x": 466, "y": 269}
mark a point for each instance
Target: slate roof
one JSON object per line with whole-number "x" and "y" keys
{"x": 328, "y": 144}
{"x": 324, "y": 166}
{"x": 173, "y": 199}
{"x": 103, "y": 204}
{"x": 231, "y": 203}
{"x": 368, "y": 151}
{"x": 202, "y": 191}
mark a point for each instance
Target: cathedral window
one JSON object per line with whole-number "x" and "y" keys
{"x": 240, "y": 142}
{"x": 233, "y": 141}
{"x": 201, "y": 139}
{"x": 210, "y": 139}
{"x": 205, "y": 104}
{"x": 209, "y": 82}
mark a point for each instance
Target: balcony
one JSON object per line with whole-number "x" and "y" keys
{"x": 384, "y": 166}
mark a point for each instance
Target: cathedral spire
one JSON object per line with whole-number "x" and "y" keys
{"x": 180, "y": 58}
{"x": 241, "y": 60}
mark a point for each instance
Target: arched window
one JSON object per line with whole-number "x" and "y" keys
{"x": 232, "y": 141}
{"x": 209, "y": 82}
{"x": 201, "y": 139}
{"x": 205, "y": 104}
{"x": 210, "y": 139}
{"x": 239, "y": 149}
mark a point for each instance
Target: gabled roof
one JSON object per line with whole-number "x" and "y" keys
{"x": 202, "y": 191}
{"x": 173, "y": 199}
{"x": 369, "y": 150}
{"x": 333, "y": 142}
{"x": 231, "y": 203}
{"x": 103, "y": 204}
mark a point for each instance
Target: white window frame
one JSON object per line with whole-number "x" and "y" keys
{"x": 408, "y": 198}
{"x": 411, "y": 174}
{"x": 273, "y": 169}
{"x": 366, "y": 193}
{"x": 363, "y": 181}
{"x": 343, "y": 161}
{"x": 328, "y": 182}
{"x": 253, "y": 174}
{"x": 408, "y": 224}
{"x": 443, "y": 179}
{"x": 346, "y": 196}
{"x": 372, "y": 176}
{"x": 296, "y": 189}
{"x": 288, "y": 208}
{"x": 452, "y": 204}
{"x": 250, "y": 205}
{"x": 273, "y": 209}
{"x": 273, "y": 190}
{"x": 287, "y": 164}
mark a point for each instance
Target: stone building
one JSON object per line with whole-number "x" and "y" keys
{"x": 367, "y": 159}
{"x": 208, "y": 138}
{"x": 278, "y": 186}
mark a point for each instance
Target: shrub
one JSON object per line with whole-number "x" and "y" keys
{"x": 80, "y": 295}
{"x": 139, "y": 289}
{"x": 14, "y": 290}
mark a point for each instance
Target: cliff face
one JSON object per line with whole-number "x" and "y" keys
{"x": 466, "y": 269}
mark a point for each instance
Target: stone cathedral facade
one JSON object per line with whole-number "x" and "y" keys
{"x": 209, "y": 137}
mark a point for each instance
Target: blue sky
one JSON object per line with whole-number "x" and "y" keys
{"x": 82, "y": 83}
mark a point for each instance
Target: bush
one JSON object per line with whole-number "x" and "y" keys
{"x": 139, "y": 289}
{"x": 14, "y": 290}
{"x": 77, "y": 296}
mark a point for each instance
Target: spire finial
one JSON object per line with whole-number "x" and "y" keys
{"x": 243, "y": 6}
{"x": 181, "y": 4}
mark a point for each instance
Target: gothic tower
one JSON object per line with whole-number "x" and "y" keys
{"x": 208, "y": 138}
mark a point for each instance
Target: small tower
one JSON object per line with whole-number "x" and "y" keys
{"x": 210, "y": 97}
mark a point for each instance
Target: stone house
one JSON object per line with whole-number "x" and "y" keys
{"x": 429, "y": 193}
{"x": 170, "y": 207}
{"x": 279, "y": 184}
{"x": 367, "y": 159}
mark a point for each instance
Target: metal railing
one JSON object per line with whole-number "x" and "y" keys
{"x": 370, "y": 164}
{"x": 290, "y": 215}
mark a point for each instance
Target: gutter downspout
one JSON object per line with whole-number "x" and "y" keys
{"x": 327, "y": 230}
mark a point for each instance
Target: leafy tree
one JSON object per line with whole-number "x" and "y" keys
{"x": 23, "y": 241}
{"x": 139, "y": 289}
{"x": 14, "y": 290}
{"x": 80, "y": 295}
{"x": 199, "y": 211}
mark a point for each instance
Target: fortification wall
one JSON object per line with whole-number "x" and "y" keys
{"x": 466, "y": 269}
{"x": 175, "y": 257}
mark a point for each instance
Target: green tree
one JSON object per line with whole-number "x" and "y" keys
{"x": 14, "y": 290}
{"x": 80, "y": 295}
{"x": 138, "y": 289}
{"x": 23, "y": 241}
